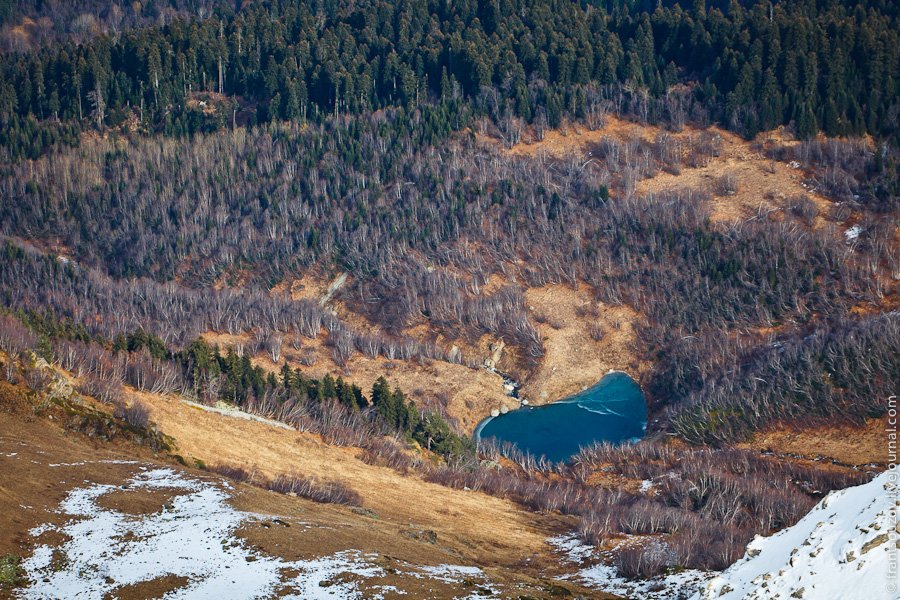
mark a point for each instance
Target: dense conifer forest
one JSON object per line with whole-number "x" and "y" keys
{"x": 824, "y": 66}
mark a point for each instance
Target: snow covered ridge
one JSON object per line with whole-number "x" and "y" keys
{"x": 192, "y": 537}
{"x": 846, "y": 548}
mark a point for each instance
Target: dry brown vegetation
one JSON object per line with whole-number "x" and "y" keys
{"x": 844, "y": 444}
{"x": 574, "y": 358}
{"x": 40, "y": 463}
{"x": 764, "y": 186}
{"x": 274, "y": 451}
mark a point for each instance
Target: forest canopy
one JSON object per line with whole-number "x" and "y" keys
{"x": 821, "y": 66}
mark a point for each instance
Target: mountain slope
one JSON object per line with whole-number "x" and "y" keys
{"x": 842, "y": 549}
{"x": 84, "y": 513}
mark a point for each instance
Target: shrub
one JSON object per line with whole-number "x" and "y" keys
{"x": 327, "y": 492}
{"x": 135, "y": 414}
{"x": 726, "y": 185}
{"x": 37, "y": 379}
{"x": 11, "y": 573}
{"x": 804, "y": 209}
{"x": 234, "y": 473}
{"x": 9, "y": 371}
{"x": 387, "y": 453}
{"x": 642, "y": 561}
{"x": 105, "y": 389}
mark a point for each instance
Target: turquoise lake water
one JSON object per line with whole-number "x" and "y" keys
{"x": 613, "y": 410}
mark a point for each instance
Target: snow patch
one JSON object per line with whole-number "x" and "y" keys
{"x": 229, "y": 410}
{"x": 451, "y": 573}
{"x": 192, "y": 537}
{"x": 842, "y": 549}
{"x": 852, "y": 233}
{"x": 606, "y": 578}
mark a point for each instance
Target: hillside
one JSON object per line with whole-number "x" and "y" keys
{"x": 74, "y": 478}
{"x": 115, "y": 517}
{"x": 842, "y": 549}
{"x": 307, "y": 349}
{"x": 73, "y": 467}
{"x": 268, "y": 268}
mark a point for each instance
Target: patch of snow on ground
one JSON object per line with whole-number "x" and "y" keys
{"x": 604, "y": 577}
{"x": 192, "y": 537}
{"x": 230, "y": 410}
{"x": 454, "y": 574}
{"x": 842, "y": 549}
{"x": 574, "y": 549}
{"x": 451, "y": 573}
{"x": 853, "y": 232}
{"x": 316, "y": 579}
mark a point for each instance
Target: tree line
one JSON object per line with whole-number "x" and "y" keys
{"x": 819, "y": 65}
{"x": 334, "y": 408}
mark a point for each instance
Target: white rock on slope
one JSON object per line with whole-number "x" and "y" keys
{"x": 846, "y": 548}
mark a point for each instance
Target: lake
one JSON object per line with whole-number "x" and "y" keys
{"x": 612, "y": 410}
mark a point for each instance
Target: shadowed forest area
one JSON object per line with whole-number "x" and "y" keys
{"x": 421, "y": 229}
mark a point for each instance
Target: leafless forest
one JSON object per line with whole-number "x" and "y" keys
{"x": 117, "y": 235}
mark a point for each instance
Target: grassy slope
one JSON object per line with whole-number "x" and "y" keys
{"x": 40, "y": 462}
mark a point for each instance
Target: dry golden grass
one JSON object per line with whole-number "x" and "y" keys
{"x": 573, "y": 359}
{"x": 145, "y": 590}
{"x": 573, "y": 138}
{"x": 454, "y": 515}
{"x": 845, "y": 444}
{"x": 139, "y": 501}
{"x": 763, "y": 185}
{"x": 40, "y": 463}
